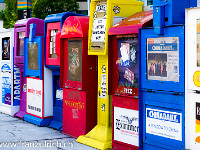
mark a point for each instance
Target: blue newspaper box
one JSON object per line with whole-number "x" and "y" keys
{"x": 39, "y": 105}
{"x": 162, "y": 86}
{"x": 52, "y": 45}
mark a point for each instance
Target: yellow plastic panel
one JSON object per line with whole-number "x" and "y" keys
{"x": 103, "y": 15}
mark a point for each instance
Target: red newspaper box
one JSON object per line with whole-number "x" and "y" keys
{"x": 124, "y": 63}
{"x": 78, "y": 77}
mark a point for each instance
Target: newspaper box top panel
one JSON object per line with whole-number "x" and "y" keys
{"x": 59, "y": 17}
{"x": 53, "y": 25}
{"x": 125, "y": 53}
{"x": 75, "y": 26}
{"x": 74, "y": 61}
{"x": 131, "y": 24}
{"x": 22, "y": 30}
{"x": 103, "y": 15}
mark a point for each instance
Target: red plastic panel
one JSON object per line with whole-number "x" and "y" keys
{"x": 75, "y": 26}
{"x": 121, "y": 146}
{"x": 53, "y": 42}
{"x": 125, "y": 102}
{"x": 74, "y": 112}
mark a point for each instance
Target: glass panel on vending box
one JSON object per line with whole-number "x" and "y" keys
{"x": 33, "y": 56}
{"x": 128, "y": 69}
{"x": 6, "y": 48}
{"x": 99, "y": 26}
{"x": 74, "y": 60}
{"x": 163, "y": 59}
{"x": 20, "y": 49}
{"x": 52, "y": 43}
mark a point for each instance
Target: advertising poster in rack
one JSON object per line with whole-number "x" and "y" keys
{"x": 163, "y": 123}
{"x": 52, "y": 43}
{"x": 34, "y": 95}
{"x": 126, "y": 126}
{"x": 6, "y": 48}
{"x": 127, "y": 66}
{"x": 197, "y": 140}
{"x": 6, "y": 83}
{"x": 163, "y": 59}
{"x": 99, "y": 24}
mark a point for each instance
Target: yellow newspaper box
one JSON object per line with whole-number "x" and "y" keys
{"x": 103, "y": 15}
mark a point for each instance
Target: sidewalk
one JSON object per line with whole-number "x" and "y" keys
{"x": 16, "y": 134}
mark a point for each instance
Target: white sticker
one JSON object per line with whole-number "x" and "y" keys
{"x": 162, "y": 123}
{"x": 125, "y": 54}
{"x": 103, "y": 86}
{"x": 51, "y": 47}
{"x": 126, "y": 126}
{"x": 34, "y": 96}
{"x": 59, "y": 94}
{"x": 99, "y": 30}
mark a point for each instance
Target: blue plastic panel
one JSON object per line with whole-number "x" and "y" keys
{"x": 158, "y": 81}
{"x": 174, "y": 10}
{"x": 33, "y": 60}
{"x": 163, "y": 120}
{"x": 59, "y": 18}
{"x": 57, "y": 92}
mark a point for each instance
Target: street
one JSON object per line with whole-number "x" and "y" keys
{"x": 17, "y": 134}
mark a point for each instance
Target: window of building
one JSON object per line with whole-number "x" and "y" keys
{"x": 149, "y": 2}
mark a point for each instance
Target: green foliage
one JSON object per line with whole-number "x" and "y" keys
{"x": 43, "y": 8}
{"x": 9, "y": 15}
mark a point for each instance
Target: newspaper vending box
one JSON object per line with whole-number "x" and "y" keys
{"x": 124, "y": 60}
{"x": 22, "y": 30}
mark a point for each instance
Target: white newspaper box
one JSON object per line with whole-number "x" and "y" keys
{"x": 9, "y": 74}
{"x": 192, "y": 79}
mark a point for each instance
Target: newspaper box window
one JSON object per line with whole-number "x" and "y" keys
{"x": 127, "y": 66}
{"x": 52, "y": 43}
{"x": 163, "y": 59}
{"x": 6, "y": 48}
{"x": 33, "y": 56}
{"x": 20, "y": 48}
{"x": 74, "y": 60}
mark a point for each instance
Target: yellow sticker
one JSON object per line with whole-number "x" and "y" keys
{"x": 196, "y": 78}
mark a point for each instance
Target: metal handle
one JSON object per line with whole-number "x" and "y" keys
{"x": 96, "y": 46}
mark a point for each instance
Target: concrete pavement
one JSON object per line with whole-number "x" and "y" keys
{"x": 16, "y": 134}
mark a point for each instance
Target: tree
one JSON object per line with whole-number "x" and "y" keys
{"x": 9, "y": 15}
{"x": 43, "y": 8}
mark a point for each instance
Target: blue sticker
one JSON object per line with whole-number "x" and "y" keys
{"x": 16, "y": 85}
{"x": 5, "y": 67}
{"x": 6, "y": 90}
